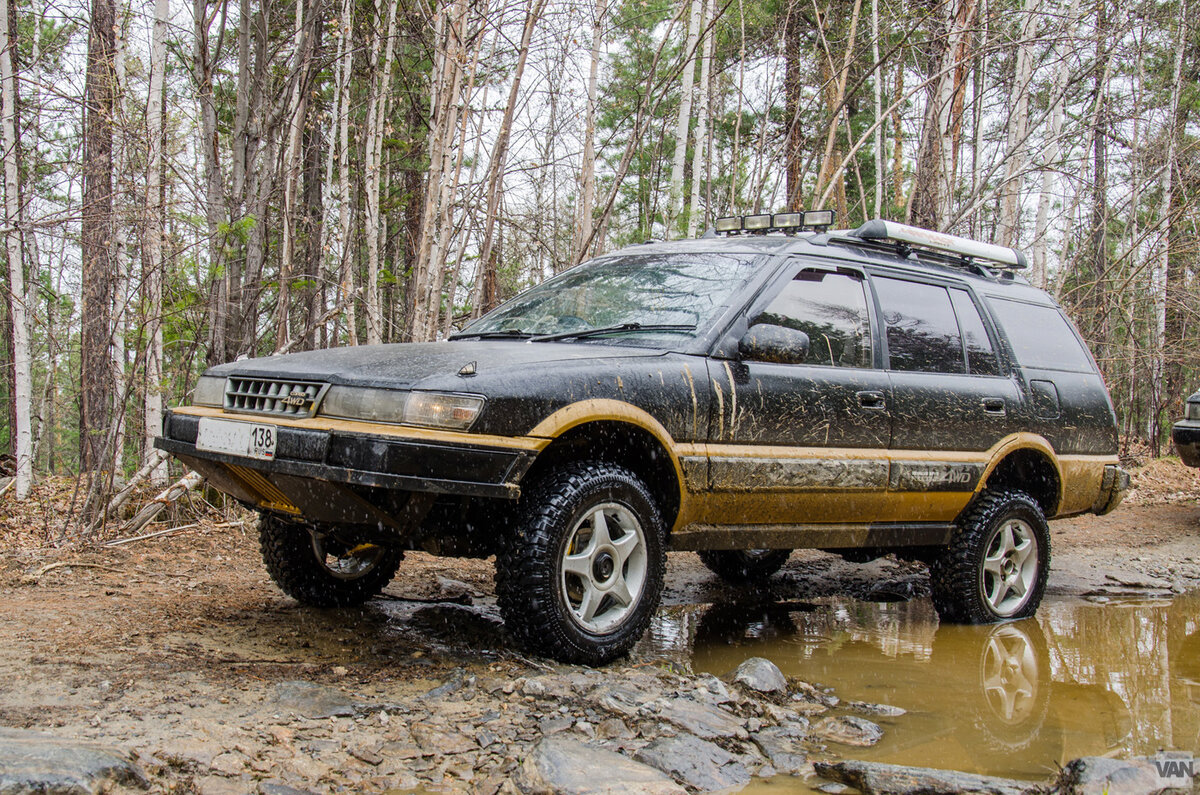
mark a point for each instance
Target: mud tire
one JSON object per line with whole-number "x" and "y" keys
{"x": 958, "y": 575}
{"x": 741, "y": 566}
{"x": 291, "y": 559}
{"x": 533, "y": 587}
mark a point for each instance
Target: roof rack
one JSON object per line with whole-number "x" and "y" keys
{"x": 908, "y": 238}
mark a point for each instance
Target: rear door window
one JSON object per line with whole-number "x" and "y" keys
{"x": 981, "y": 356}
{"x": 920, "y": 326}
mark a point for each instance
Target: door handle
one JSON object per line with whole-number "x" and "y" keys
{"x": 872, "y": 400}
{"x": 993, "y": 405}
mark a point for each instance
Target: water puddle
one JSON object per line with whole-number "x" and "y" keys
{"x": 1016, "y": 699}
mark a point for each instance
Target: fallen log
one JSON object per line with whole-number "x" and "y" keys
{"x": 156, "y": 506}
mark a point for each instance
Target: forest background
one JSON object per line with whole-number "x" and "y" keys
{"x": 185, "y": 184}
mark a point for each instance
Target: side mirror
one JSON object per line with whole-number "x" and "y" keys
{"x": 764, "y": 342}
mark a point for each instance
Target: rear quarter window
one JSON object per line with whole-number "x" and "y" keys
{"x": 1041, "y": 337}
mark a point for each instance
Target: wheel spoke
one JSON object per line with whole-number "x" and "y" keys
{"x": 600, "y": 534}
{"x": 620, "y": 592}
{"x": 625, "y": 546}
{"x": 997, "y": 592}
{"x": 580, "y": 565}
{"x": 1022, "y": 551}
{"x": 590, "y": 602}
{"x": 992, "y": 563}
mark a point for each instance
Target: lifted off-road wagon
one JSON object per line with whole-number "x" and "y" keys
{"x": 766, "y": 387}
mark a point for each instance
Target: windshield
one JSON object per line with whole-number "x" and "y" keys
{"x": 633, "y": 297}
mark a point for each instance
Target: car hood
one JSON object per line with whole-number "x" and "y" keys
{"x": 404, "y": 365}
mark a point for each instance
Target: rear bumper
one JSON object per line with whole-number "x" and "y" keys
{"x": 1186, "y": 436}
{"x": 311, "y": 464}
{"x": 1113, "y": 486}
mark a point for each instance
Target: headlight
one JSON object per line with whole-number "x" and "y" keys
{"x": 1192, "y": 411}
{"x": 439, "y": 410}
{"x": 364, "y": 403}
{"x": 210, "y": 391}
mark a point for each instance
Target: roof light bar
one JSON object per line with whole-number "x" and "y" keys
{"x": 951, "y": 244}
{"x": 779, "y": 221}
{"x": 817, "y": 218}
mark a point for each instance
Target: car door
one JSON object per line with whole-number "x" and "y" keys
{"x": 952, "y": 399}
{"x": 804, "y": 442}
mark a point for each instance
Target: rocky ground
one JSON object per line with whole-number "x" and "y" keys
{"x": 173, "y": 663}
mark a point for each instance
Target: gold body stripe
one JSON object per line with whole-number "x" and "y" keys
{"x": 1079, "y": 475}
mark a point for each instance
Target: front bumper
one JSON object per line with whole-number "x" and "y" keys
{"x": 1186, "y": 435}
{"x": 1113, "y": 486}
{"x": 313, "y": 465}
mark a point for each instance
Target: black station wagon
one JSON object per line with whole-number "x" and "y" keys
{"x": 766, "y": 387}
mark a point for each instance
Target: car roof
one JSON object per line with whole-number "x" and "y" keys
{"x": 839, "y": 245}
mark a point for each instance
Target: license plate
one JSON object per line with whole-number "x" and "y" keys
{"x": 237, "y": 438}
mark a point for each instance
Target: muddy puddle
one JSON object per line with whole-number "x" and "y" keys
{"x": 1119, "y": 678}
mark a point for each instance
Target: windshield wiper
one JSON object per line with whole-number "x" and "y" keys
{"x": 507, "y": 334}
{"x": 624, "y": 327}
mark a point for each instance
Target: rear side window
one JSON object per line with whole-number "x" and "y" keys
{"x": 1041, "y": 337}
{"x": 831, "y": 308}
{"x": 921, "y": 327}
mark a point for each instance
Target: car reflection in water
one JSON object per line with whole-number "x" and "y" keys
{"x": 1016, "y": 699}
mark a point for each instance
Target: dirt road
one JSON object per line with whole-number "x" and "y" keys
{"x": 181, "y": 651}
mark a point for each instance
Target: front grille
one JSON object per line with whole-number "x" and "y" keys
{"x": 278, "y": 398}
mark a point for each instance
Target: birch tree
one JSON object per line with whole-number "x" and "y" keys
{"x": 18, "y": 315}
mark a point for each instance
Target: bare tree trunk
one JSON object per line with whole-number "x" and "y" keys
{"x": 155, "y": 234}
{"x": 683, "y": 125}
{"x": 346, "y": 263}
{"x": 698, "y": 156}
{"x": 297, "y": 106}
{"x": 587, "y": 178}
{"x": 96, "y": 377}
{"x": 877, "y": 84}
{"x": 376, "y": 115}
{"x": 215, "y": 211}
{"x": 1018, "y": 130}
{"x": 22, "y": 378}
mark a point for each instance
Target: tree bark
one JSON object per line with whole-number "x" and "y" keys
{"x": 95, "y": 372}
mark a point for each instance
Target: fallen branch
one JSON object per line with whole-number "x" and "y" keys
{"x": 72, "y": 564}
{"x": 10, "y": 482}
{"x": 168, "y": 496}
{"x": 158, "y": 533}
{"x": 156, "y": 457}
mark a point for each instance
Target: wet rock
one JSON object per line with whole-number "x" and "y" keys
{"x": 781, "y": 745}
{"x": 697, "y": 763}
{"x": 849, "y": 730}
{"x": 806, "y": 693}
{"x": 312, "y": 700}
{"x": 760, "y": 674}
{"x": 563, "y": 765}
{"x": 702, "y": 720}
{"x": 42, "y": 763}
{"x": 613, "y": 729}
{"x": 623, "y": 699}
{"x": 436, "y": 741}
{"x": 1097, "y": 775}
{"x": 878, "y": 779}
{"x": 867, "y": 708}
{"x": 275, "y": 788}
